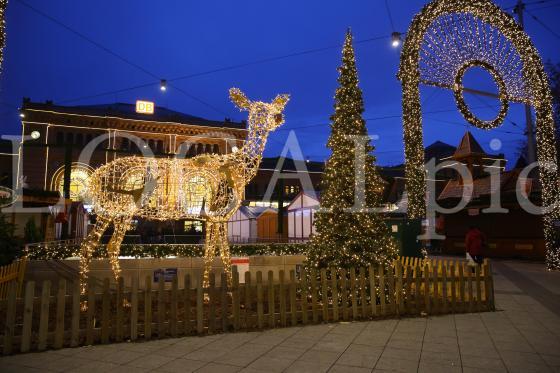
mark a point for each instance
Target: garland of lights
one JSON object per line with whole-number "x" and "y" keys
{"x": 442, "y": 37}
{"x": 207, "y": 187}
{"x": 460, "y": 100}
{"x": 3, "y": 6}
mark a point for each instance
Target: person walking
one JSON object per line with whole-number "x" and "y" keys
{"x": 474, "y": 242}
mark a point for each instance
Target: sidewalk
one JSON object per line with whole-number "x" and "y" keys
{"x": 523, "y": 336}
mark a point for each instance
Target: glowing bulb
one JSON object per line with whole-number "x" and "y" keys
{"x": 35, "y": 135}
{"x": 234, "y": 149}
{"x": 22, "y": 115}
{"x": 396, "y": 39}
{"x": 163, "y": 85}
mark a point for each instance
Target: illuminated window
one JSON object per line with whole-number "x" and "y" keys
{"x": 193, "y": 226}
{"x": 79, "y": 176}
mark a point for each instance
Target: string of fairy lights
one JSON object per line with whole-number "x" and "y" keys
{"x": 523, "y": 80}
{"x": 207, "y": 187}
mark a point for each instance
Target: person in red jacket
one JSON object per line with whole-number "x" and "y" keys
{"x": 474, "y": 241}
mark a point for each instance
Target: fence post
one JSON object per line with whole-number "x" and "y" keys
{"x": 353, "y": 294}
{"x": 334, "y": 291}
{"x": 90, "y": 316}
{"x": 478, "y": 288}
{"x": 470, "y": 289}
{"x": 426, "y": 275}
{"x": 444, "y": 288}
{"x": 462, "y": 287}
{"x": 382, "y": 296}
{"x": 27, "y": 317}
{"x": 453, "y": 288}
{"x": 235, "y": 298}
{"x": 248, "y": 300}
{"x": 44, "y": 318}
{"x": 9, "y": 328}
{"x": 271, "y": 300}
{"x": 324, "y": 295}
{"x": 211, "y": 304}
{"x": 173, "y": 310}
{"x": 399, "y": 304}
{"x": 260, "y": 300}
{"x": 187, "y": 292}
{"x": 282, "y": 298}
{"x": 161, "y": 307}
{"x": 435, "y": 276}
{"x": 372, "y": 291}
{"x": 409, "y": 308}
{"x": 134, "y": 309}
{"x": 119, "y": 332}
{"x": 224, "y": 301}
{"x": 148, "y": 308}
{"x": 304, "y": 300}
{"x": 344, "y": 291}
{"x": 391, "y": 282}
{"x": 314, "y": 296}
{"x": 293, "y": 292}
{"x": 199, "y": 306}
{"x": 363, "y": 292}
{"x": 60, "y": 310}
{"x": 106, "y": 312}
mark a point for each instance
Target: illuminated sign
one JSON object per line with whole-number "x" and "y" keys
{"x": 145, "y": 107}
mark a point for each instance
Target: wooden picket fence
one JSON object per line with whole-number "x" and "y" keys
{"x": 54, "y": 318}
{"x": 12, "y": 273}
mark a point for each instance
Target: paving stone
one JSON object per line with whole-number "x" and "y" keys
{"x": 360, "y": 356}
{"x": 320, "y": 357}
{"x": 122, "y": 356}
{"x": 270, "y": 364}
{"x": 441, "y": 357}
{"x": 300, "y": 366}
{"x": 348, "y": 369}
{"x": 94, "y": 367}
{"x": 218, "y": 368}
{"x": 206, "y": 354}
{"x": 285, "y": 353}
{"x": 403, "y": 354}
{"x": 181, "y": 365}
{"x": 243, "y": 355}
{"x": 396, "y": 364}
{"x": 150, "y": 361}
{"x": 436, "y": 367}
{"x": 479, "y": 362}
{"x": 64, "y": 364}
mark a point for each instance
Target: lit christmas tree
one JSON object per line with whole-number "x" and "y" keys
{"x": 345, "y": 238}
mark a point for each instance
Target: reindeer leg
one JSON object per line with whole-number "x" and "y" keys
{"x": 88, "y": 247}
{"x": 114, "y": 246}
{"x": 209, "y": 250}
{"x": 225, "y": 253}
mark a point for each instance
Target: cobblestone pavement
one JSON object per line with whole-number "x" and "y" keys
{"x": 522, "y": 336}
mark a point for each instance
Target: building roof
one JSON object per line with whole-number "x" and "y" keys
{"x": 128, "y": 111}
{"x": 253, "y": 212}
{"x": 468, "y": 147}
{"x": 438, "y": 150}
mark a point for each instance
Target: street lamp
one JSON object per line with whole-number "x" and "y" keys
{"x": 163, "y": 85}
{"x": 396, "y": 39}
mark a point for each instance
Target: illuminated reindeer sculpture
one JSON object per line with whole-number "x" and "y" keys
{"x": 207, "y": 187}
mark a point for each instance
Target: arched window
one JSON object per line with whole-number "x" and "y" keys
{"x": 59, "y": 138}
{"x": 79, "y": 139}
{"x": 200, "y": 149}
{"x": 79, "y": 176}
{"x": 125, "y": 143}
{"x": 70, "y": 138}
{"x": 216, "y": 149}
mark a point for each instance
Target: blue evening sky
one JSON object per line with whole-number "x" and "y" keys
{"x": 173, "y": 38}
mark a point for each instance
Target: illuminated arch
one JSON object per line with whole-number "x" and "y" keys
{"x": 79, "y": 176}
{"x": 436, "y": 30}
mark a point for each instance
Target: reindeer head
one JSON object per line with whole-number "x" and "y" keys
{"x": 267, "y": 115}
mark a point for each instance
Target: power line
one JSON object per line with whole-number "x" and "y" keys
{"x": 272, "y": 59}
{"x": 114, "y": 54}
{"x": 544, "y": 25}
{"x": 389, "y": 15}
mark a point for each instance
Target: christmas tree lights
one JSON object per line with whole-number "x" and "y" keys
{"x": 348, "y": 233}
